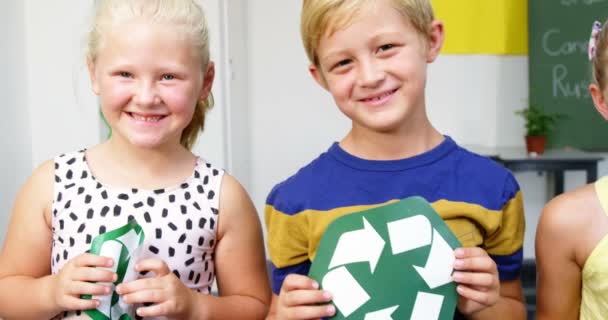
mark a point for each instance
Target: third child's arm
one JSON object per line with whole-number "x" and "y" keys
{"x": 559, "y": 275}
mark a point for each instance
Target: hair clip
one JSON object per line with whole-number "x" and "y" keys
{"x": 593, "y": 40}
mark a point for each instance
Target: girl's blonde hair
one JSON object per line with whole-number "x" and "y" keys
{"x": 324, "y": 17}
{"x": 600, "y": 59}
{"x": 184, "y": 14}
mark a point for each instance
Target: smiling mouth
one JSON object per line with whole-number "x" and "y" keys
{"x": 139, "y": 117}
{"x": 379, "y": 97}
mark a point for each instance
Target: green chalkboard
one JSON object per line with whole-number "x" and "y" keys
{"x": 560, "y": 71}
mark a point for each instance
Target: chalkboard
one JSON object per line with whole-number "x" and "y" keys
{"x": 560, "y": 71}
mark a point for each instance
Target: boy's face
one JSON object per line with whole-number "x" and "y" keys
{"x": 375, "y": 68}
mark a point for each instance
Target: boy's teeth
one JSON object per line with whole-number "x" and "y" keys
{"x": 381, "y": 96}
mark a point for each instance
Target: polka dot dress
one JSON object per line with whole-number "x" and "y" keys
{"x": 179, "y": 222}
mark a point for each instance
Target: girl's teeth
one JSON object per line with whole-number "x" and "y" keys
{"x": 147, "y": 119}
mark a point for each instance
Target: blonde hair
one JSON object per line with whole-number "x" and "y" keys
{"x": 600, "y": 59}
{"x": 186, "y": 14}
{"x": 324, "y": 17}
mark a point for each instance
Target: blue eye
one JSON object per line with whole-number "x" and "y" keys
{"x": 386, "y": 47}
{"x": 342, "y": 63}
{"x": 168, "y": 77}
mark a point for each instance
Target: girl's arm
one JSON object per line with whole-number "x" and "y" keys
{"x": 25, "y": 259}
{"x": 559, "y": 233}
{"x": 240, "y": 262}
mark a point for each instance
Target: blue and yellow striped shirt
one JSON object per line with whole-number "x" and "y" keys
{"x": 478, "y": 199}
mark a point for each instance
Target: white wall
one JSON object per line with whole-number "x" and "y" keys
{"x": 292, "y": 119}
{"x": 473, "y": 97}
{"x": 211, "y": 144}
{"x": 239, "y": 116}
{"x": 63, "y": 111}
{"x": 15, "y": 141}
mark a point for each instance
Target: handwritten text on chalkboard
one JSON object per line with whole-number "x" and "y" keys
{"x": 583, "y": 2}
{"x": 555, "y": 46}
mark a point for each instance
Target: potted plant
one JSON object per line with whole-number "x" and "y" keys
{"x": 538, "y": 126}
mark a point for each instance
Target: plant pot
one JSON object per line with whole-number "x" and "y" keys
{"x": 536, "y": 144}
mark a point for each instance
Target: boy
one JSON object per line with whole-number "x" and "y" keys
{"x": 372, "y": 57}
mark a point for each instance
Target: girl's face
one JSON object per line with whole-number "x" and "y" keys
{"x": 149, "y": 78}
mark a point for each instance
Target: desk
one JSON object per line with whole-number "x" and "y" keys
{"x": 553, "y": 161}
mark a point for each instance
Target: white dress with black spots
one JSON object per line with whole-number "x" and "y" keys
{"x": 179, "y": 222}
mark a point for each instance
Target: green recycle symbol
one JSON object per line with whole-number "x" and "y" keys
{"x": 118, "y": 244}
{"x": 390, "y": 262}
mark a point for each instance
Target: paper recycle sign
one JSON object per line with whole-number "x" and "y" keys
{"x": 121, "y": 245}
{"x": 389, "y": 262}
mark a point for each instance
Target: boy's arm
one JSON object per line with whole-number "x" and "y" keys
{"x": 295, "y": 296}
{"x": 505, "y": 247}
{"x": 510, "y": 304}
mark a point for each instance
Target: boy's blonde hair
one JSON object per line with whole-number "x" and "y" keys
{"x": 599, "y": 62}
{"x": 187, "y": 15}
{"x": 324, "y": 17}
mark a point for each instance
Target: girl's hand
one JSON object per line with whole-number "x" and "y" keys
{"x": 170, "y": 297}
{"x": 75, "y": 279}
{"x": 477, "y": 276}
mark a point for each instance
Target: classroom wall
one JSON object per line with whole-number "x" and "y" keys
{"x": 15, "y": 138}
{"x": 212, "y": 144}
{"x": 63, "y": 113}
{"x": 270, "y": 117}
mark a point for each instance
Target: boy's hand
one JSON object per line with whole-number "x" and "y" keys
{"x": 477, "y": 278}
{"x": 169, "y": 296}
{"x": 299, "y": 299}
{"x": 80, "y": 276}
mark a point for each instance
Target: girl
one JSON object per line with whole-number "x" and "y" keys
{"x": 572, "y": 234}
{"x": 149, "y": 64}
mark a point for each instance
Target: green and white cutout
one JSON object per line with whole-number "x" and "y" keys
{"x": 389, "y": 262}
{"x": 121, "y": 245}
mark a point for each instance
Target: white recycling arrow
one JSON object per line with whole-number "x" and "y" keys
{"x": 438, "y": 268}
{"x": 409, "y": 233}
{"x": 357, "y": 246}
{"x": 348, "y": 295}
{"x": 427, "y": 306}
{"x": 384, "y": 314}
{"x": 113, "y": 248}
